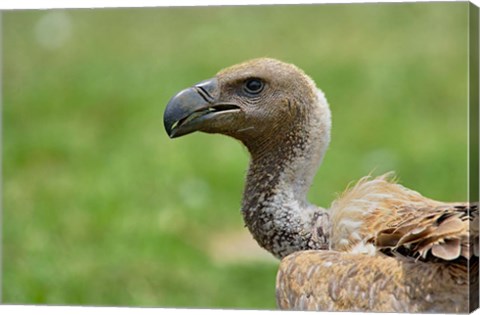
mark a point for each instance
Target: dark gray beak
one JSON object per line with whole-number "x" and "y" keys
{"x": 180, "y": 107}
{"x": 192, "y": 108}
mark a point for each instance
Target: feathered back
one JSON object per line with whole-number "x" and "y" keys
{"x": 379, "y": 214}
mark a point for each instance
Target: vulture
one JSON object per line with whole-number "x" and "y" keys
{"x": 379, "y": 247}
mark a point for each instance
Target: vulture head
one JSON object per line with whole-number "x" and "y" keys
{"x": 261, "y": 102}
{"x": 277, "y": 112}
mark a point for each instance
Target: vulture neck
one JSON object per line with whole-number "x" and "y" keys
{"x": 275, "y": 206}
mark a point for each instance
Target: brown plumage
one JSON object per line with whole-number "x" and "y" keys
{"x": 341, "y": 281}
{"x": 418, "y": 255}
{"x": 380, "y": 246}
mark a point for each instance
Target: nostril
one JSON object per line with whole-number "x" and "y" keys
{"x": 204, "y": 94}
{"x": 208, "y": 88}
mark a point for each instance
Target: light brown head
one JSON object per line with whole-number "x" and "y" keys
{"x": 260, "y": 102}
{"x": 277, "y": 112}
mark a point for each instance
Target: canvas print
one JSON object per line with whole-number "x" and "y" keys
{"x": 296, "y": 157}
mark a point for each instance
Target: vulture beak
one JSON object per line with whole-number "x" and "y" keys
{"x": 191, "y": 109}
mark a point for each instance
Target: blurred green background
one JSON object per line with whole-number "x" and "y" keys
{"x": 101, "y": 208}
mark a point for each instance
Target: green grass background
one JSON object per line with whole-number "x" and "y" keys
{"x": 101, "y": 208}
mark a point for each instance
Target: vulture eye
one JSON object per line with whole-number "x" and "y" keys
{"x": 253, "y": 86}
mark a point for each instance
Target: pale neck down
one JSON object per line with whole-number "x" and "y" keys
{"x": 275, "y": 206}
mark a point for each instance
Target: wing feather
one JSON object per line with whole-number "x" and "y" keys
{"x": 441, "y": 232}
{"x": 397, "y": 220}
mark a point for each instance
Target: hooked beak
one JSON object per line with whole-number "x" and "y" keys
{"x": 192, "y": 108}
